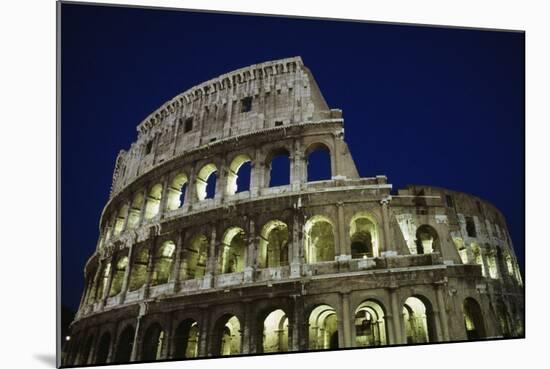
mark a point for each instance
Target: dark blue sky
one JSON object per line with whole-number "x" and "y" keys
{"x": 422, "y": 105}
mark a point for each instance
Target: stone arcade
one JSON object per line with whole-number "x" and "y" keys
{"x": 190, "y": 265}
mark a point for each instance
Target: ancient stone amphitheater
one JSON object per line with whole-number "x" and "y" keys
{"x": 187, "y": 267}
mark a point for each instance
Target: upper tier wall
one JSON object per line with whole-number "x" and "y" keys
{"x": 280, "y": 92}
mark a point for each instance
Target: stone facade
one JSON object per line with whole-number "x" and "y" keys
{"x": 327, "y": 264}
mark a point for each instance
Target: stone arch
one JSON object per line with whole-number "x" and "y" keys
{"x": 419, "y": 320}
{"x": 319, "y": 239}
{"x": 135, "y": 210}
{"x": 124, "y": 345}
{"x": 119, "y": 272}
{"x": 364, "y": 237}
{"x": 193, "y": 264}
{"x": 103, "y": 280}
{"x": 277, "y": 167}
{"x": 275, "y": 332}
{"x": 162, "y": 263}
{"x": 473, "y": 319}
{"x": 318, "y": 162}
{"x": 274, "y": 244}
{"x": 103, "y": 349}
{"x": 233, "y": 173}
{"x": 83, "y": 357}
{"x": 427, "y": 240}
{"x": 153, "y": 342}
{"x": 152, "y": 205}
{"x": 186, "y": 339}
{"x": 505, "y": 322}
{"x": 233, "y": 251}
{"x": 177, "y": 192}
{"x": 202, "y": 182}
{"x": 138, "y": 273}
{"x": 370, "y": 324}
{"x": 323, "y": 328}
{"x": 226, "y": 336}
{"x": 120, "y": 219}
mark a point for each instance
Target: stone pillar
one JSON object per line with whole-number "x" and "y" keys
{"x": 109, "y": 281}
{"x": 204, "y": 334}
{"x": 248, "y": 341}
{"x": 150, "y": 266}
{"x": 442, "y": 311}
{"x": 335, "y": 157}
{"x": 127, "y": 215}
{"x": 296, "y": 246}
{"x": 173, "y": 279}
{"x": 221, "y": 181}
{"x": 127, "y": 275}
{"x": 208, "y": 281}
{"x": 137, "y": 334}
{"x": 396, "y": 317}
{"x": 191, "y": 195}
{"x": 93, "y": 292}
{"x": 343, "y": 246}
{"x": 346, "y": 319}
{"x": 251, "y": 252}
{"x": 386, "y": 245}
{"x": 297, "y": 168}
{"x": 298, "y": 326}
{"x": 143, "y": 206}
{"x": 163, "y": 197}
{"x": 257, "y": 168}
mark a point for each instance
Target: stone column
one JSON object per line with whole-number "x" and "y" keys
{"x": 346, "y": 319}
{"x": 256, "y": 174}
{"x": 143, "y": 206}
{"x": 251, "y": 253}
{"x": 439, "y": 288}
{"x": 335, "y": 157}
{"x": 386, "y": 245}
{"x": 127, "y": 275}
{"x": 204, "y": 334}
{"x": 174, "y": 273}
{"x": 208, "y": 281}
{"x": 191, "y": 194}
{"x": 137, "y": 334}
{"x": 109, "y": 281}
{"x": 248, "y": 342}
{"x": 396, "y": 317}
{"x": 296, "y": 246}
{"x": 163, "y": 198}
{"x": 221, "y": 181}
{"x": 297, "y": 166}
{"x": 343, "y": 246}
{"x": 150, "y": 266}
{"x": 297, "y": 326}
{"x": 127, "y": 215}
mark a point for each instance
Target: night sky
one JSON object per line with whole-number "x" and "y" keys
{"x": 422, "y": 105}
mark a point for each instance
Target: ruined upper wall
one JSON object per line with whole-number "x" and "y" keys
{"x": 270, "y": 94}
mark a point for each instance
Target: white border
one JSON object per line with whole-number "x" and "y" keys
{"x": 28, "y": 167}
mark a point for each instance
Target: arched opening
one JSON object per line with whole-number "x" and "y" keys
{"x": 273, "y": 250}
{"x": 153, "y": 343}
{"x": 427, "y": 240}
{"x": 103, "y": 349}
{"x": 176, "y": 192}
{"x": 418, "y": 320}
{"x": 118, "y": 275}
{"x": 206, "y": 182}
{"x": 104, "y": 281}
{"x": 194, "y": 263}
{"x": 473, "y": 319}
{"x": 162, "y": 264}
{"x": 186, "y": 339}
{"x": 504, "y": 319}
{"x": 318, "y": 163}
{"x": 363, "y": 236}
{"x": 135, "y": 210}
{"x": 319, "y": 239}
{"x": 278, "y": 168}
{"x": 84, "y": 357}
{"x": 152, "y": 206}
{"x": 124, "y": 346}
{"x": 138, "y": 273}
{"x": 233, "y": 252}
{"x": 370, "y": 325}
{"x": 120, "y": 219}
{"x": 226, "y": 338}
{"x": 323, "y": 328}
{"x": 238, "y": 176}
{"x": 275, "y": 332}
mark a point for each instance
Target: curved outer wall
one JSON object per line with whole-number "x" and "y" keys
{"x": 342, "y": 261}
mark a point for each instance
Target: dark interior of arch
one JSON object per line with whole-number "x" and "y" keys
{"x": 318, "y": 165}
{"x": 243, "y": 179}
{"x": 280, "y": 170}
{"x": 211, "y": 185}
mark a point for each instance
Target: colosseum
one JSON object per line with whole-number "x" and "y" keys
{"x": 193, "y": 262}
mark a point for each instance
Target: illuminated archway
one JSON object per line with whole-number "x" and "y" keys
{"x": 233, "y": 252}
{"x": 138, "y": 273}
{"x": 152, "y": 205}
{"x": 162, "y": 263}
{"x": 319, "y": 239}
{"x": 176, "y": 192}
{"x": 323, "y": 328}
{"x": 205, "y": 188}
{"x": 233, "y": 173}
{"x": 153, "y": 342}
{"x": 194, "y": 263}
{"x": 273, "y": 251}
{"x": 473, "y": 319}
{"x": 275, "y": 332}
{"x": 427, "y": 240}
{"x": 118, "y": 275}
{"x": 120, "y": 219}
{"x": 226, "y": 339}
{"x": 419, "y": 320}
{"x": 363, "y": 234}
{"x": 186, "y": 339}
{"x": 370, "y": 325}
{"x": 135, "y": 210}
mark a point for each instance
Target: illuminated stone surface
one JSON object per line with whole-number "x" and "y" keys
{"x": 308, "y": 265}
